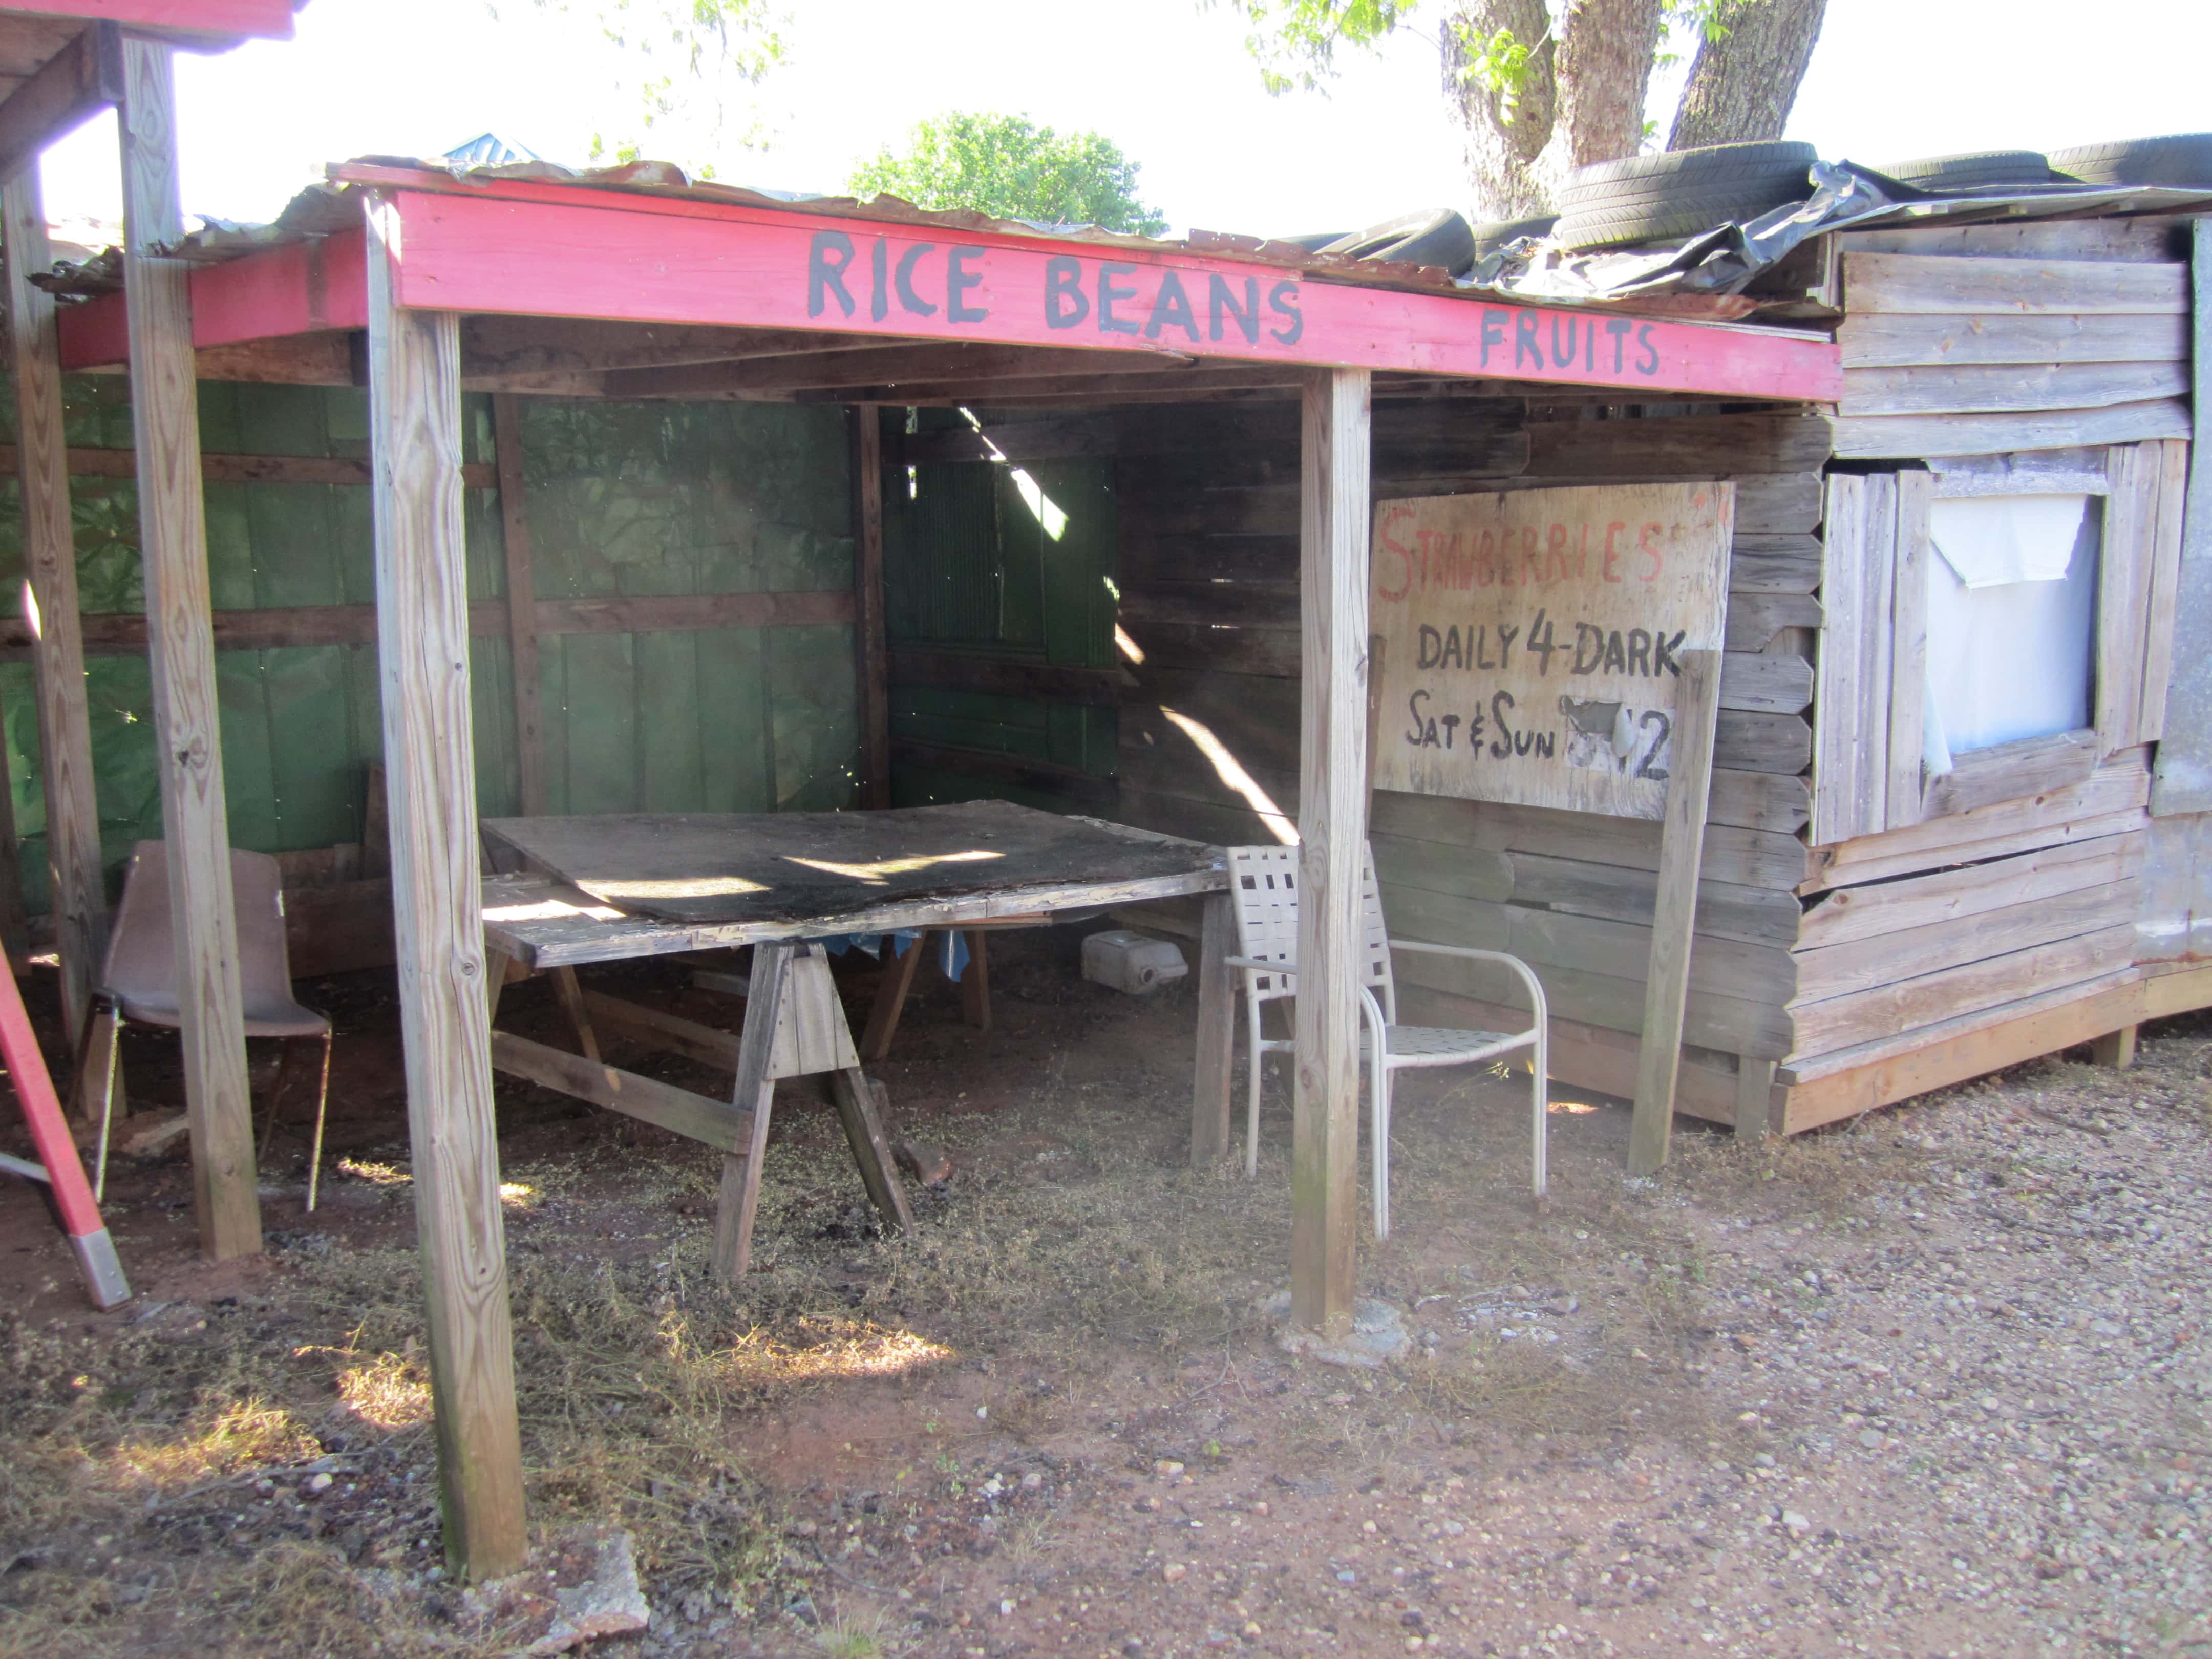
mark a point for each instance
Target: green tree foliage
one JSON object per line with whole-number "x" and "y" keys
{"x": 1008, "y": 167}
{"x": 683, "y": 64}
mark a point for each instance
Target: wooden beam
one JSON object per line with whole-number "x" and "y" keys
{"x": 1103, "y": 688}
{"x": 1681, "y": 850}
{"x": 121, "y": 634}
{"x": 78, "y": 81}
{"x": 421, "y": 598}
{"x": 1334, "y": 518}
{"x": 714, "y": 1123}
{"x": 247, "y": 469}
{"x": 869, "y": 362}
{"x": 206, "y": 22}
{"x": 521, "y": 604}
{"x": 79, "y": 899}
{"x": 521, "y": 349}
{"x": 173, "y": 540}
{"x": 868, "y": 600}
{"x": 514, "y": 248}
{"x": 14, "y": 923}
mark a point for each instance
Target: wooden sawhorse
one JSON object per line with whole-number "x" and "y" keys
{"x": 794, "y": 1027}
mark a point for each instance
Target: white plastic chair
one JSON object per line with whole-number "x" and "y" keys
{"x": 1263, "y": 890}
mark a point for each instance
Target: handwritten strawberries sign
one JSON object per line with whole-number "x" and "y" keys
{"x": 1533, "y": 640}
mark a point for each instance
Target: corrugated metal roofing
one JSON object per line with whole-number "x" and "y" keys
{"x": 1695, "y": 279}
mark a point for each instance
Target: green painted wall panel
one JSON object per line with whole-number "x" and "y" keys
{"x": 624, "y": 499}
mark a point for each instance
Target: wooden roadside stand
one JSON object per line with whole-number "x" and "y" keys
{"x": 642, "y": 286}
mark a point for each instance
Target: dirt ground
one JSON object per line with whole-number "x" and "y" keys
{"x": 1934, "y": 1384}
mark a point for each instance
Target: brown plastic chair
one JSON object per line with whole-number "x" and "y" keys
{"x": 139, "y": 980}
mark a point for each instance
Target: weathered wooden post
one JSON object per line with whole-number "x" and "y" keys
{"x": 180, "y": 640}
{"x": 1332, "y": 820}
{"x": 79, "y": 901}
{"x": 429, "y": 758}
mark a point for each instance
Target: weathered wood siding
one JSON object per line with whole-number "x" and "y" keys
{"x": 1209, "y": 746}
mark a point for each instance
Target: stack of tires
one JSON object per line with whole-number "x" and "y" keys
{"x": 1679, "y": 193}
{"x": 2181, "y": 161}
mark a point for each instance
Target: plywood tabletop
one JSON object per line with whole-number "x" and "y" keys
{"x": 647, "y": 885}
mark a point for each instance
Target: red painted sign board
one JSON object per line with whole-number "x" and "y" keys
{"x": 543, "y": 251}
{"x": 270, "y": 19}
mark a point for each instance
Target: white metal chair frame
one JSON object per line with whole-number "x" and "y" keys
{"x": 1263, "y": 892}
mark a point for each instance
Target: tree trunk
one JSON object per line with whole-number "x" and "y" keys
{"x": 1606, "y": 49}
{"x": 1504, "y": 136}
{"x": 1741, "y": 85}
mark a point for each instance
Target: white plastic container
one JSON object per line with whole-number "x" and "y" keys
{"x": 1129, "y": 962}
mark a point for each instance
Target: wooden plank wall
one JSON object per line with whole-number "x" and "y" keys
{"x": 999, "y": 607}
{"x": 2029, "y": 878}
{"x": 1209, "y": 745}
{"x": 1990, "y": 339}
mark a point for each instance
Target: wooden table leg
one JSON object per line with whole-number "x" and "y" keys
{"x": 497, "y": 966}
{"x": 975, "y": 983}
{"x": 572, "y": 1004}
{"x": 890, "y": 997}
{"x": 871, "y": 1150}
{"x": 1216, "y": 1034}
{"x": 741, "y": 1172}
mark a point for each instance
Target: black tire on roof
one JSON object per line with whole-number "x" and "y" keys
{"x": 1699, "y": 172}
{"x": 2182, "y": 160}
{"x": 1314, "y": 242}
{"x": 1971, "y": 169}
{"x": 1651, "y": 221}
{"x": 1434, "y": 236}
{"x": 1496, "y": 233}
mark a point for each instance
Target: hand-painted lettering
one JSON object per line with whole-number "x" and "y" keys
{"x": 1221, "y": 299}
{"x": 1648, "y": 363}
{"x": 879, "y": 279}
{"x": 1171, "y": 305}
{"x": 1493, "y": 332}
{"x": 1283, "y": 301}
{"x": 958, "y": 279}
{"x": 1620, "y": 328}
{"x": 1565, "y": 359}
{"x": 1527, "y": 347}
{"x": 1643, "y": 545}
{"x": 1392, "y": 545}
{"x": 826, "y": 275}
{"x": 908, "y": 298}
{"x": 1065, "y": 302}
{"x": 1663, "y": 653}
{"x": 1111, "y": 293}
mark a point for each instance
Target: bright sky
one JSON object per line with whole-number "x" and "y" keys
{"x": 1168, "y": 80}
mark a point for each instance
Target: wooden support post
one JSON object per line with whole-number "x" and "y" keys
{"x": 890, "y": 996}
{"x": 429, "y": 756}
{"x": 868, "y": 591}
{"x": 1212, "y": 1076}
{"x": 1682, "y": 851}
{"x": 755, "y": 1092}
{"x": 1332, "y": 532}
{"x": 79, "y": 901}
{"x": 571, "y": 995}
{"x": 1754, "y": 1093}
{"x": 975, "y": 981}
{"x": 180, "y": 638}
{"x": 854, "y": 1092}
{"x": 521, "y": 604}
{"x": 2115, "y": 1048}
{"x": 15, "y": 922}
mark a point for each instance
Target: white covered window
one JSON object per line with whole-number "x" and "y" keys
{"x": 2012, "y": 610}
